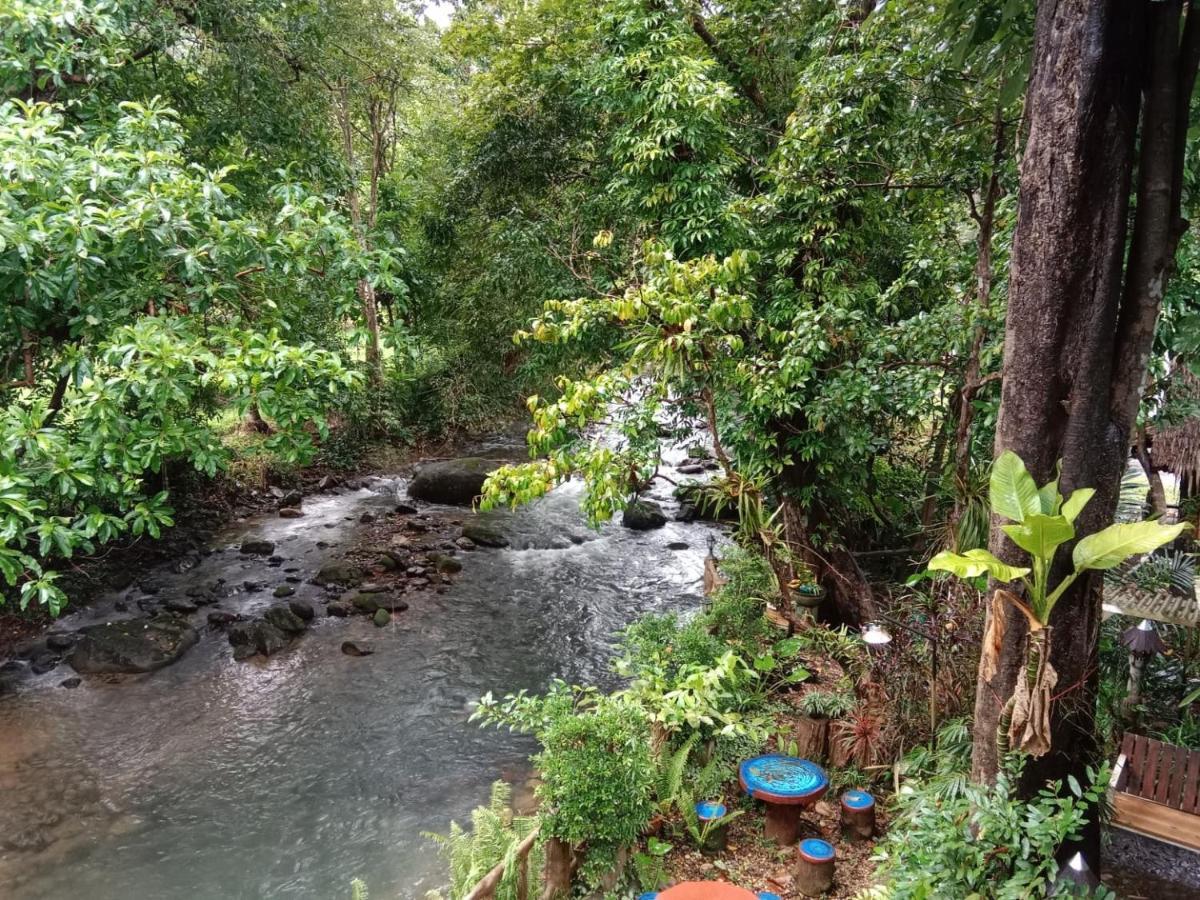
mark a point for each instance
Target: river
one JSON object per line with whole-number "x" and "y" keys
{"x": 290, "y": 776}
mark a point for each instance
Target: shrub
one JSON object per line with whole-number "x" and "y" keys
{"x": 953, "y": 838}
{"x": 595, "y": 764}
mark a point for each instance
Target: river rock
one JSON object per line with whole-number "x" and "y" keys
{"x": 643, "y": 515}
{"x": 405, "y": 509}
{"x": 691, "y": 469}
{"x": 44, "y": 662}
{"x": 456, "y": 482}
{"x": 132, "y": 645}
{"x": 302, "y": 609}
{"x": 367, "y": 518}
{"x": 284, "y": 590}
{"x": 368, "y": 603}
{"x": 181, "y": 605}
{"x": 285, "y": 620}
{"x": 381, "y": 618}
{"x": 291, "y": 512}
{"x": 291, "y": 499}
{"x": 258, "y": 548}
{"x": 60, "y": 641}
{"x": 219, "y": 618}
{"x": 484, "y": 535}
{"x": 339, "y": 573}
{"x": 73, "y": 682}
{"x": 447, "y": 565}
{"x": 677, "y": 545}
{"x": 255, "y": 637}
{"x": 464, "y": 543}
{"x": 327, "y": 483}
{"x": 352, "y": 649}
{"x": 339, "y": 609}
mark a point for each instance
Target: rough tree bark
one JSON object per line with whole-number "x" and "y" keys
{"x": 1080, "y": 321}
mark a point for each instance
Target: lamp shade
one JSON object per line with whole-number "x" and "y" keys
{"x": 1142, "y": 639}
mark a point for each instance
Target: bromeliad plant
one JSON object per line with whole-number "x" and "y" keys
{"x": 1042, "y": 521}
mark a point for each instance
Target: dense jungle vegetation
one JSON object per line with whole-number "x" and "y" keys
{"x": 921, "y": 272}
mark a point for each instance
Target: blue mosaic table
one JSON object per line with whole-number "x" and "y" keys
{"x": 786, "y": 785}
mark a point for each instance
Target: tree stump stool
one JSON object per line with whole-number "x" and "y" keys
{"x": 858, "y": 815}
{"x": 714, "y": 838}
{"x": 814, "y": 867}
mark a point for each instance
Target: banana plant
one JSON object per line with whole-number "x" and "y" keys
{"x": 1041, "y": 521}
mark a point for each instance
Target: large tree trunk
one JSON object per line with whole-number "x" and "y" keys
{"x": 1078, "y": 335}
{"x": 1064, "y": 293}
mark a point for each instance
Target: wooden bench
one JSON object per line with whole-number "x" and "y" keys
{"x": 1155, "y": 791}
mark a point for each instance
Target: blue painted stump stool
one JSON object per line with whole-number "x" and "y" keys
{"x": 858, "y": 815}
{"x": 814, "y": 867}
{"x": 786, "y": 785}
{"x": 714, "y": 837}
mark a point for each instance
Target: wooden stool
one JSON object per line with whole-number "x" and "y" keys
{"x": 717, "y": 836}
{"x": 858, "y": 815}
{"x": 814, "y": 867}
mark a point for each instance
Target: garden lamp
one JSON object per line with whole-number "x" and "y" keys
{"x": 874, "y": 634}
{"x": 1142, "y": 642}
{"x": 1072, "y": 875}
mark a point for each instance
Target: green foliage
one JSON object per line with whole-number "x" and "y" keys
{"x": 595, "y": 764}
{"x": 829, "y": 704}
{"x": 147, "y": 291}
{"x": 1044, "y": 521}
{"x": 953, "y": 837}
{"x": 494, "y": 836}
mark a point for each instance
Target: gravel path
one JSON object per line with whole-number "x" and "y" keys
{"x": 1137, "y": 867}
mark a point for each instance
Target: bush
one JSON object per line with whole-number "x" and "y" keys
{"x": 951, "y": 837}
{"x": 596, "y": 767}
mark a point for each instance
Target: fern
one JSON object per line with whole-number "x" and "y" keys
{"x": 494, "y": 836}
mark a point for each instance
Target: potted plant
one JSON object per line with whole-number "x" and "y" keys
{"x": 812, "y": 729}
{"x": 806, "y": 592}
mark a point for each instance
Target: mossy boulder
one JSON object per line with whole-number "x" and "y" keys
{"x": 132, "y": 645}
{"x": 484, "y": 535}
{"x": 339, "y": 573}
{"x": 455, "y": 482}
{"x": 643, "y": 515}
{"x": 381, "y": 618}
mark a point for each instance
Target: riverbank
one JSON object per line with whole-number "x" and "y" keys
{"x": 204, "y": 507}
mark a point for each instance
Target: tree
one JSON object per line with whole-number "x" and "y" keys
{"x": 1108, "y": 103}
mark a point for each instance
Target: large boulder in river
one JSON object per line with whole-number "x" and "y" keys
{"x": 132, "y": 645}
{"x": 643, "y": 515}
{"x": 484, "y": 535}
{"x": 452, "y": 481}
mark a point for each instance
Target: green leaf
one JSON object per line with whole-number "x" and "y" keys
{"x": 1013, "y": 492}
{"x": 1078, "y": 500}
{"x": 1109, "y": 548}
{"x": 974, "y": 563}
{"x": 1040, "y": 535}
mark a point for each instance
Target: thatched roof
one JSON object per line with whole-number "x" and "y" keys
{"x": 1176, "y": 448}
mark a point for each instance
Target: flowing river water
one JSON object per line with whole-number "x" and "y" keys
{"x": 290, "y": 776}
